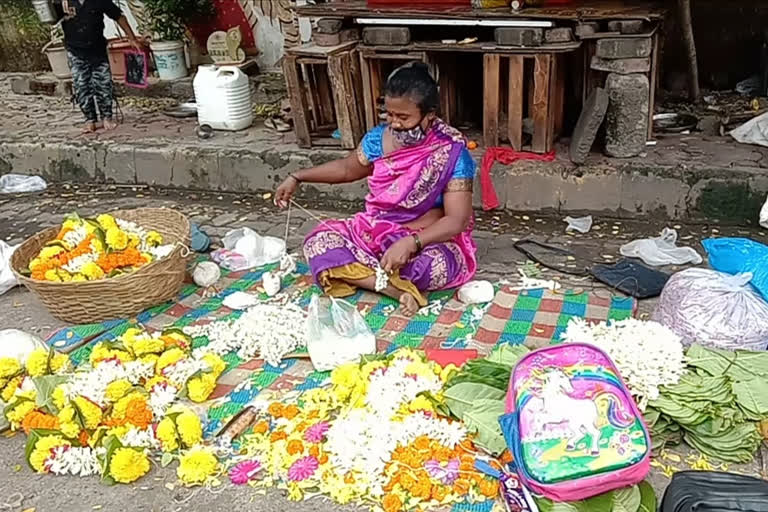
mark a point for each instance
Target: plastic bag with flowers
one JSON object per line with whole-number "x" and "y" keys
{"x": 91, "y": 249}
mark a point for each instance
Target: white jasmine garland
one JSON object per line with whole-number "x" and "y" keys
{"x": 647, "y": 354}
{"x": 73, "y": 237}
{"x": 140, "y": 438}
{"x": 268, "y": 331}
{"x": 161, "y": 397}
{"x": 75, "y": 461}
{"x": 76, "y": 264}
{"x": 92, "y": 383}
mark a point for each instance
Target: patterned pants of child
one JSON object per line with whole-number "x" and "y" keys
{"x": 92, "y": 81}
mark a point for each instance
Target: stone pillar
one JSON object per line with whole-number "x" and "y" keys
{"x": 626, "y": 124}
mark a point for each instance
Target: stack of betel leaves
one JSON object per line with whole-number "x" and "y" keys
{"x": 716, "y": 406}
{"x": 476, "y": 395}
{"x": 636, "y": 498}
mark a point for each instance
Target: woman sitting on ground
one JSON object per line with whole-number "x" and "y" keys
{"x": 417, "y": 223}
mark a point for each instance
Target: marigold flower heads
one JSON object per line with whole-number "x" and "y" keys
{"x": 197, "y": 465}
{"x": 128, "y": 465}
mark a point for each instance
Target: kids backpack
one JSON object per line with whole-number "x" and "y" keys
{"x": 572, "y": 425}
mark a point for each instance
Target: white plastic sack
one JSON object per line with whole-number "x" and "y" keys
{"x": 7, "y": 279}
{"x": 255, "y": 249}
{"x": 18, "y": 345}
{"x": 764, "y": 214}
{"x": 714, "y": 309}
{"x": 661, "y": 250}
{"x": 19, "y": 183}
{"x": 477, "y": 292}
{"x": 336, "y": 334}
{"x": 754, "y": 131}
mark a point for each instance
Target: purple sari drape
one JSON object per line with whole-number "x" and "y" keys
{"x": 404, "y": 186}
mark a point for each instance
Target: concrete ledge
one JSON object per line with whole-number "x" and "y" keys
{"x": 625, "y": 189}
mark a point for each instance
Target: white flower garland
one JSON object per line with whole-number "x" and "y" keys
{"x": 647, "y": 354}
{"x": 266, "y": 330}
{"x": 92, "y": 383}
{"x": 75, "y": 461}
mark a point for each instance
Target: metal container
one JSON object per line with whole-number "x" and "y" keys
{"x": 46, "y": 11}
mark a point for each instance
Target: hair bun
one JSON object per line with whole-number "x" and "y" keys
{"x": 414, "y": 65}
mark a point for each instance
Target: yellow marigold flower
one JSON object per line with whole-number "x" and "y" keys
{"x": 119, "y": 432}
{"x": 148, "y": 346}
{"x": 64, "y": 275}
{"x": 346, "y": 375}
{"x": 133, "y": 240}
{"x": 150, "y": 359}
{"x": 216, "y": 363}
{"x": 90, "y": 412}
{"x": 101, "y": 352}
{"x": 130, "y": 336}
{"x": 369, "y": 368}
{"x": 167, "y": 435}
{"x": 117, "y": 239}
{"x": 34, "y": 264}
{"x": 190, "y": 429}
{"x": 128, "y": 465}
{"x": 16, "y": 415}
{"x": 117, "y": 389}
{"x": 59, "y": 363}
{"x": 121, "y": 406}
{"x": 153, "y": 239}
{"x": 10, "y": 388}
{"x": 78, "y": 278}
{"x": 42, "y": 451}
{"x": 196, "y": 466}
{"x": 106, "y": 221}
{"x": 9, "y": 367}
{"x": 70, "y": 223}
{"x": 52, "y": 275}
{"x": 37, "y": 362}
{"x": 169, "y": 357}
{"x": 70, "y": 429}
{"x": 59, "y": 398}
{"x": 49, "y": 252}
{"x": 97, "y": 246}
{"x": 419, "y": 369}
{"x": 92, "y": 271}
{"x": 201, "y": 387}
{"x": 447, "y": 372}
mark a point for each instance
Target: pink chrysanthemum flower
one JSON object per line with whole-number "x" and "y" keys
{"x": 302, "y": 469}
{"x": 244, "y": 472}
{"x": 447, "y": 472}
{"x": 316, "y": 432}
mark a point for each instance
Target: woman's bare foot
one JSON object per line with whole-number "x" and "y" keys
{"x": 109, "y": 124}
{"x": 408, "y": 305}
{"x": 89, "y": 127}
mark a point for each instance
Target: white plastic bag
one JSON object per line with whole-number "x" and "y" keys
{"x": 336, "y": 334}
{"x": 19, "y": 183}
{"x": 714, "y": 309}
{"x": 661, "y": 250}
{"x": 764, "y": 214}
{"x": 7, "y": 279}
{"x": 580, "y": 224}
{"x": 255, "y": 250}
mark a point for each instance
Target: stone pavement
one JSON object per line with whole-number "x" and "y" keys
{"x": 21, "y": 216}
{"x": 689, "y": 178}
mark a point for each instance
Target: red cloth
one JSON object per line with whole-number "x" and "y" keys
{"x": 444, "y": 357}
{"x": 506, "y": 156}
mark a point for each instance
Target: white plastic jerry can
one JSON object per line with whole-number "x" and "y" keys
{"x": 223, "y": 96}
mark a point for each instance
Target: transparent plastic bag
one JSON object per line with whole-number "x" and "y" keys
{"x": 18, "y": 345}
{"x": 7, "y": 279}
{"x": 714, "y": 309}
{"x": 244, "y": 249}
{"x": 19, "y": 184}
{"x": 661, "y": 250}
{"x": 336, "y": 333}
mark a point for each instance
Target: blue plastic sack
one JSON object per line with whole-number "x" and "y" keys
{"x": 739, "y": 256}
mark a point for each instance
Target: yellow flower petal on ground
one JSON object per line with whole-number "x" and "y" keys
{"x": 128, "y": 465}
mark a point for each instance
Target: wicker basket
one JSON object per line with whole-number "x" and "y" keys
{"x": 118, "y": 297}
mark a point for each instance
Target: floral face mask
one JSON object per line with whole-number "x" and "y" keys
{"x": 410, "y": 136}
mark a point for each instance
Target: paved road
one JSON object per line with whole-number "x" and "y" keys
{"x": 25, "y": 215}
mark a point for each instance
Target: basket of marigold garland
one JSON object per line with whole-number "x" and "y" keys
{"x": 113, "y": 266}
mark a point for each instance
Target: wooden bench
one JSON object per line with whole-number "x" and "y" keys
{"x": 326, "y": 94}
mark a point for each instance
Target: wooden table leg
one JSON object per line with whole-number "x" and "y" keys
{"x": 298, "y": 100}
{"x": 541, "y": 80}
{"x": 515, "y": 102}
{"x": 653, "y": 78}
{"x": 491, "y": 99}
{"x": 343, "y": 99}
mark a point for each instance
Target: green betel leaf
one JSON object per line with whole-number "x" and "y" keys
{"x": 627, "y": 499}
{"x": 752, "y": 397}
{"x": 483, "y": 418}
{"x": 647, "y": 497}
{"x": 544, "y": 504}
{"x": 462, "y": 397}
{"x": 564, "y": 506}
{"x": 600, "y": 503}
{"x": 111, "y": 443}
{"x": 45, "y": 386}
{"x": 508, "y": 355}
{"x": 34, "y": 436}
{"x": 166, "y": 459}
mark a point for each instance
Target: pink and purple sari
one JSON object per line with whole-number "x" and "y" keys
{"x": 404, "y": 186}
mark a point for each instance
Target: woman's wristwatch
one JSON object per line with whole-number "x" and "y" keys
{"x": 416, "y": 239}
